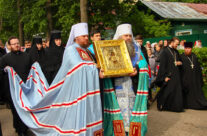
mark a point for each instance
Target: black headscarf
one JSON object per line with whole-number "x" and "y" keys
{"x": 54, "y": 35}
{"x": 54, "y": 52}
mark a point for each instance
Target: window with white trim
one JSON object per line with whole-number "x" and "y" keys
{"x": 183, "y": 32}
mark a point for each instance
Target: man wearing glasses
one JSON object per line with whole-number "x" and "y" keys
{"x": 21, "y": 62}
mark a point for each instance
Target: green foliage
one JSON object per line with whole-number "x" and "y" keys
{"x": 102, "y": 15}
{"x": 34, "y": 17}
{"x": 205, "y": 90}
{"x": 202, "y": 57}
{"x": 68, "y": 13}
{"x": 8, "y": 19}
{"x": 145, "y": 23}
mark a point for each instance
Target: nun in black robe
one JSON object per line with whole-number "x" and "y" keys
{"x": 37, "y": 55}
{"x": 170, "y": 96}
{"x": 192, "y": 81}
{"x": 54, "y": 55}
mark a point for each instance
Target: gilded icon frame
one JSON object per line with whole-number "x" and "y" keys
{"x": 112, "y": 56}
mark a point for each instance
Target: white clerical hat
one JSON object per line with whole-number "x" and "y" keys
{"x": 122, "y": 30}
{"x": 77, "y": 30}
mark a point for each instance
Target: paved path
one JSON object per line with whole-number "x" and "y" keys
{"x": 188, "y": 123}
{"x": 6, "y": 122}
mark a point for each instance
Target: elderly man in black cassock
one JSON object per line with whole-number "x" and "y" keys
{"x": 192, "y": 80}
{"x": 21, "y": 62}
{"x": 170, "y": 96}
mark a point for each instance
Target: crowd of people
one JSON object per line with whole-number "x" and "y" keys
{"x": 178, "y": 76}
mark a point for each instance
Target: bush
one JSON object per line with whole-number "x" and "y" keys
{"x": 202, "y": 57}
{"x": 205, "y": 90}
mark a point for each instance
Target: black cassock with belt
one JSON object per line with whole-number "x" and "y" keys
{"x": 192, "y": 83}
{"x": 170, "y": 96}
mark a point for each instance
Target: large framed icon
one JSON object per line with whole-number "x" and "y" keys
{"x": 112, "y": 56}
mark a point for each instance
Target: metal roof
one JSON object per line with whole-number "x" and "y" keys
{"x": 178, "y": 10}
{"x": 199, "y": 7}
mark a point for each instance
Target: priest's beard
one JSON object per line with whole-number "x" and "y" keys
{"x": 131, "y": 49}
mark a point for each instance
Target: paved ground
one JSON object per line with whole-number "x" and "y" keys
{"x": 188, "y": 123}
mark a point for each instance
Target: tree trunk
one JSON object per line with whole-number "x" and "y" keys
{"x": 20, "y": 23}
{"x": 83, "y": 10}
{"x": 49, "y": 17}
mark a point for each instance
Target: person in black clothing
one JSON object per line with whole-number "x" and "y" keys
{"x": 139, "y": 40}
{"x": 54, "y": 55}
{"x": 4, "y": 83}
{"x": 192, "y": 80}
{"x": 21, "y": 62}
{"x": 37, "y": 52}
{"x": 2, "y": 53}
{"x": 170, "y": 96}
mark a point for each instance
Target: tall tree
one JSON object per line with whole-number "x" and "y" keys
{"x": 20, "y": 23}
{"x": 49, "y": 17}
{"x": 83, "y": 10}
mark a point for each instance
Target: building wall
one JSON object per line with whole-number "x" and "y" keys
{"x": 188, "y": 28}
